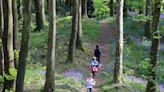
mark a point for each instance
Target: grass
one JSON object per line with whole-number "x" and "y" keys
{"x": 91, "y": 30}
{"x": 136, "y": 55}
{"x": 61, "y": 82}
{"x": 129, "y": 86}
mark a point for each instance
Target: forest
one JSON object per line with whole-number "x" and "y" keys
{"x": 50, "y": 45}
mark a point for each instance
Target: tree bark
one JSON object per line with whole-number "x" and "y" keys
{"x": 84, "y": 8}
{"x": 50, "y": 72}
{"x": 15, "y": 24}
{"x": 8, "y": 43}
{"x": 24, "y": 45}
{"x": 118, "y": 71}
{"x": 1, "y": 31}
{"x": 19, "y": 7}
{"x": 43, "y": 11}
{"x": 72, "y": 42}
{"x": 79, "y": 43}
{"x": 90, "y": 8}
{"x": 46, "y": 6}
{"x": 151, "y": 86}
{"x": 15, "y": 28}
{"x": 39, "y": 15}
{"x": 148, "y": 13}
{"x": 125, "y": 9}
{"x": 111, "y": 6}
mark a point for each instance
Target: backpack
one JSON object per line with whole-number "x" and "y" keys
{"x": 94, "y": 68}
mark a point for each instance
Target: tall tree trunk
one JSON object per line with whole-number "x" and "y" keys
{"x": 1, "y": 31}
{"x": 148, "y": 13}
{"x": 79, "y": 43}
{"x": 8, "y": 43}
{"x": 125, "y": 9}
{"x": 19, "y": 7}
{"x": 90, "y": 8}
{"x": 111, "y": 6}
{"x": 84, "y": 8}
{"x": 72, "y": 42}
{"x": 24, "y": 45}
{"x": 151, "y": 86}
{"x": 43, "y": 10}
{"x": 118, "y": 71}
{"x": 39, "y": 15}
{"x": 15, "y": 28}
{"x": 50, "y": 72}
{"x": 15, "y": 23}
{"x": 46, "y": 6}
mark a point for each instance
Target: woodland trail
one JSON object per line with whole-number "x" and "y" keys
{"x": 107, "y": 32}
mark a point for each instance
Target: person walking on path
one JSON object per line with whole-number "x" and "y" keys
{"x": 94, "y": 66}
{"x": 97, "y": 53}
{"x": 90, "y": 82}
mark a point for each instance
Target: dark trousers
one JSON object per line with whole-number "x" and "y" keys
{"x": 93, "y": 73}
{"x": 89, "y": 90}
{"x": 98, "y": 59}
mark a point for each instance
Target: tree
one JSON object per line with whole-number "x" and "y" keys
{"x": 39, "y": 14}
{"x": 46, "y": 6}
{"x": 79, "y": 43}
{"x": 90, "y": 8}
{"x": 50, "y": 72}
{"x": 8, "y": 44}
{"x": 118, "y": 71}
{"x": 15, "y": 23}
{"x": 24, "y": 45}
{"x": 72, "y": 42}
{"x": 148, "y": 13}
{"x": 15, "y": 28}
{"x": 1, "y": 31}
{"x": 19, "y": 8}
{"x": 43, "y": 10}
{"x": 151, "y": 86}
{"x": 111, "y": 6}
{"x": 84, "y": 8}
{"x": 125, "y": 9}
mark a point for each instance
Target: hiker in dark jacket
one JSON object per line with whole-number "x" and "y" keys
{"x": 97, "y": 53}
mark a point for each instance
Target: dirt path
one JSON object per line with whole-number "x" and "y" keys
{"x": 107, "y": 32}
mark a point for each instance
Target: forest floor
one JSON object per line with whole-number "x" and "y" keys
{"x": 107, "y": 32}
